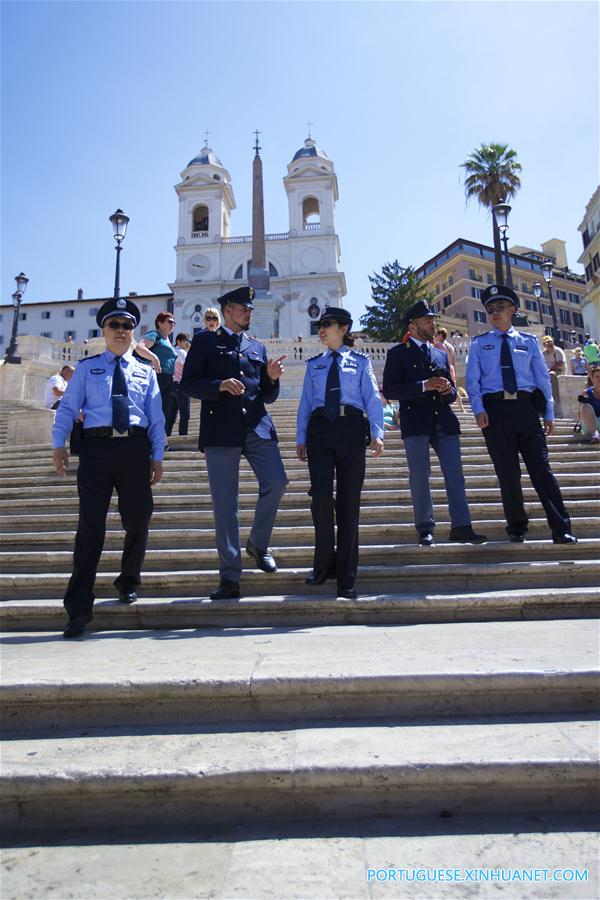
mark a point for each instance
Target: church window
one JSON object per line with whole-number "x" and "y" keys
{"x": 200, "y": 221}
{"x": 311, "y": 217}
{"x": 273, "y": 271}
{"x": 217, "y": 177}
{"x": 239, "y": 272}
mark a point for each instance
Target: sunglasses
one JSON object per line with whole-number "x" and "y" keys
{"x": 327, "y": 323}
{"x": 121, "y": 326}
{"x": 171, "y": 321}
{"x": 211, "y": 319}
{"x": 497, "y": 307}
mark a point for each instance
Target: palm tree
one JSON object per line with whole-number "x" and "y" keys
{"x": 492, "y": 177}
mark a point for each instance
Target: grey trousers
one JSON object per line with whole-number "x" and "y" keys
{"x": 447, "y": 448}
{"x": 223, "y": 466}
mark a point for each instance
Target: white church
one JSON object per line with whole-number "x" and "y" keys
{"x": 300, "y": 266}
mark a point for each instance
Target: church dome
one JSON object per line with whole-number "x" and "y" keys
{"x": 309, "y": 149}
{"x": 206, "y": 157}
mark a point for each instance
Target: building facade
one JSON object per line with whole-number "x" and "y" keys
{"x": 590, "y": 259}
{"x": 459, "y": 274}
{"x": 302, "y": 262}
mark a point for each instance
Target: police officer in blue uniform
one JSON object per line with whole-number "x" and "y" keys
{"x": 418, "y": 375}
{"x": 122, "y": 447}
{"x": 508, "y": 385}
{"x": 231, "y": 374}
{"x": 340, "y": 413}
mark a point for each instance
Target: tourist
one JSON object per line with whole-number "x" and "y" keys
{"x": 56, "y": 386}
{"x": 554, "y": 357}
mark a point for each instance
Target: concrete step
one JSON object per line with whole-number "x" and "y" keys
{"x": 180, "y": 559}
{"x": 318, "y": 673}
{"x": 452, "y": 577}
{"x": 209, "y": 778}
{"x": 319, "y": 607}
{"x": 399, "y": 532}
{"x": 315, "y": 860}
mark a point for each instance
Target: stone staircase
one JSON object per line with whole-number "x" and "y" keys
{"x": 457, "y": 695}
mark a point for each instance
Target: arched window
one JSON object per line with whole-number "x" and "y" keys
{"x": 311, "y": 217}
{"x": 239, "y": 272}
{"x": 200, "y": 221}
{"x": 273, "y": 271}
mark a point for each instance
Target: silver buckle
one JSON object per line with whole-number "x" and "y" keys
{"x": 508, "y": 396}
{"x": 117, "y": 434}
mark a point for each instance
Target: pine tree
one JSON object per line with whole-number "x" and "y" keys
{"x": 393, "y": 291}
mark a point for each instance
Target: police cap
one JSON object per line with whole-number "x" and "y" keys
{"x": 499, "y": 292}
{"x": 243, "y": 296}
{"x": 339, "y": 315}
{"x": 118, "y": 307}
{"x": 418, "y": 310}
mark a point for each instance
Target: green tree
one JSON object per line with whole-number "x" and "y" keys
{"x": 492, "y": 175}
{"x": 393, "y": 291}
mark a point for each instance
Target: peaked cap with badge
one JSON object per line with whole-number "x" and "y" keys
{"x": 499, "y": 292}
{"x": 418, "y": 310}
{"x": 339, "y": 315}
{"x": 120, "y": 306}
{"x": 243, "y": 295}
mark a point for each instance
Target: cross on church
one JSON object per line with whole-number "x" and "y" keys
{"x": 256, "y": 145}
{"x": 206, "y": 134}
{"x": 308, "y": 124}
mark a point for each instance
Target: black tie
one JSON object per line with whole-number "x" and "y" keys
{"x": 509, "y": 379}
{"x": 332, "y": 389}
{"x": 120, "y": 402}
{"x": 426, "y": 352}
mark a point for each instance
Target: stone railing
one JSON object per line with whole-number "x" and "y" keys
{"x": 199, "y": 234}
{"x": 247, "y": 238}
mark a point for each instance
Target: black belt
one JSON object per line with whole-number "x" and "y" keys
{"x": 344, "y": 411}
{"x": 108, "y": 432}
{"x": 504, "y": 395}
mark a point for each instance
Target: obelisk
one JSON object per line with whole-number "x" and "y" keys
{"x": 258, "y": 274}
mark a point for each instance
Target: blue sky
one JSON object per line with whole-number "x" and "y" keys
{"x": 104, "y": 103}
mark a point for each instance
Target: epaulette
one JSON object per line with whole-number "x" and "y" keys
{"x": 88, "y": 358}
{"x": 485, "y": 333}
{"x": 359, "y": 353}
{"x": 318, "y": 356}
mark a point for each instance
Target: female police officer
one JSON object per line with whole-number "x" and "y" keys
{"x": 332, "y": 433}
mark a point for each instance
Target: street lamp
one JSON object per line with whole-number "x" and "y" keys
{"x": 501, "y": 212}
{"x": 22, "y": 281}
{"x": 547, "y": 272}
{"x": 119, "y": 223}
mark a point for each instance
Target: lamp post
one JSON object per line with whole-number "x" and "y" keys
{"x": 119, "y": 223}
{"x": 547, "y": 272}
{"x": 22, "y": 281}
{"x": 501, "y": 211}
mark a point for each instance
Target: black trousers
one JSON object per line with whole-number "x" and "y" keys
{"x": 336, "y": 449}
{"x": 165, "y": 383}
{"x": 515, "y": 428}
{"x": 178, "y": 403}
{"x": 104, "y": 464}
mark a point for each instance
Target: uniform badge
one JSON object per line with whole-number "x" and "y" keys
{"x": 493, "y": 289}
{"x": 97, "y": 371}
{"x": 251, "y": 293}
{"x": 121, "y": 303}
{"x": 488, "y": 347}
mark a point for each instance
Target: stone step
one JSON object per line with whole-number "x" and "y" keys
{"x": 314, "y": 860}
{"x": 452, "y": 577}
{"x": 311, "y": 609}
{"x": 298, "y": 498}
{"x": 285, "y": 535}
{"x": 327, "y": 673}
{"x": 176, "y": 519}
{"x": 209, "y": 778}
{"x": 200, "y": 558}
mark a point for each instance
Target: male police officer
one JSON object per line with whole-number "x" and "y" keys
{"x": 231, "y": 374}
{"x": 122, "y": 447}
{"x": 506, "y": 376}
{"x": 417, "y": 375}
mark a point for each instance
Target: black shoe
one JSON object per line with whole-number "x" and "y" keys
{"x": 76, "y": 625}
{"x": 347, "y": 593}
{"x": 263, "y": 558}
{"x": 426, "y": 539}
{"x": 320, "y": 577}
{"x": 565, "y": 539}
{"x": 127, "y": 596}
{"x": 516, "y": 538}
{"x": 465, "y": 535}
{"x": 227, "y": 590}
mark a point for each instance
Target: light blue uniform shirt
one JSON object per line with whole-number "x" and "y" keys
{"x": 358, "y": 388}
{"x": 484, "y": 375}
{"x": 90, "y": 390}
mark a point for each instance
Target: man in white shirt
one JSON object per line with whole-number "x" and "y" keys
{"x": 56, "y": 386}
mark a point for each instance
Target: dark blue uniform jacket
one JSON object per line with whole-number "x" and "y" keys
{"x": 406, "y": 368}
{"x": 214, "y": 357}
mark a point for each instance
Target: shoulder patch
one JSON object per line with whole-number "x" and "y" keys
{"x": 318, "y": 356}
{"x": 359, "y": 353}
